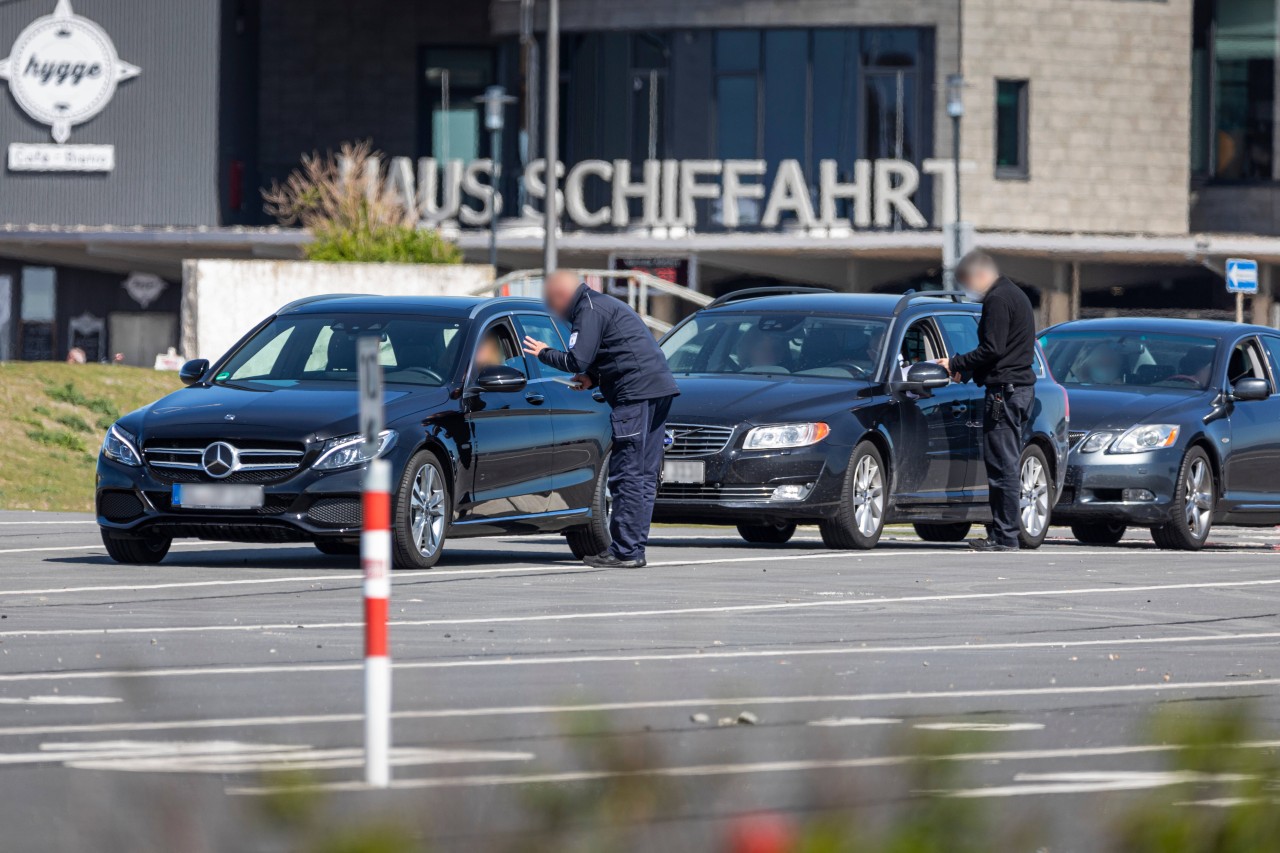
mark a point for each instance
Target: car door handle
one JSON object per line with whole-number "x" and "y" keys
{"x": 536, "y": 399}
{"x": 597, "y": 395}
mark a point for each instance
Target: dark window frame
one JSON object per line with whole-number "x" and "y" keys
{"x": 1021, "y": 170}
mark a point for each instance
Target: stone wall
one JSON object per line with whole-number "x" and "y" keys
{"x": 1110, "y": 98}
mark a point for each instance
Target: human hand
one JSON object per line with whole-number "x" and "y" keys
{"x": 533, "y": 347}
{"x": 583, "y": 382}
{"x": 945, "y": 362}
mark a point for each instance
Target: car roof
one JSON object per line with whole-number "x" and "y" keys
{"x": 1169, "y": 325}
{"x": 453, "y": 307}
{"x": 861, "y": 304}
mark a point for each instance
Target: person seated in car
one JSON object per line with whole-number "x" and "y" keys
{"x": 1103, "y": 366}
{"x": 762, "y": 350}
{"x": 489, "y": 353}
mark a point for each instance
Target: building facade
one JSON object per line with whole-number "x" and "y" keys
{"x": 1112, "y": 153}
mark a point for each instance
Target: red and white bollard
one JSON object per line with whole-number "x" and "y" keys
{"x": 375, "y": 558}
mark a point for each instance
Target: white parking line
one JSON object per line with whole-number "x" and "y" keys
{"x": 1118, "y": 589}
{"x": 745, "y": 768}
{"x": 642, "y": 705}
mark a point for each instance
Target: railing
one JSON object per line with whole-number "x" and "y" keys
{"x": 632, "y": 286}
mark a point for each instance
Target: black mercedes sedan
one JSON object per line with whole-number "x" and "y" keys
{"x": 826, "y": 408}
{"x": 1175, "y": 426}
{"x": 262, "y": 446}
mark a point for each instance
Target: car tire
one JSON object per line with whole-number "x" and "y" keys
{"x": 593, "y": 537}
{"x": 338, "y": 547}
{"x": 1099, "y": 532}
{"x": 859, "y": 519}
{"x": 943, "y": 532}
{"x": 421, "y": 513}
{"x": 768, "y": 534}
{"x": 1035, "y": 497}
{"x": 137, "y": 552}
{"x": 1194, "y": 498}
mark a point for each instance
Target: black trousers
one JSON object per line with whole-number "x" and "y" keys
{"x": 1004, "y": 422}
{"x": 634, "y": 468}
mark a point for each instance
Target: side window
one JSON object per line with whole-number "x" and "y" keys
{"x": 542, "y": 328}
{"x": 960, "y": 332}
{"x": 1273, "y": 345}
{"x": 497, "y": 346}
{"x": 1246, "y": 362}
{"x": 1037, "y": 364}
{"x": 919, "y": 344}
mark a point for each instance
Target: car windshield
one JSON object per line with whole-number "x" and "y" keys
{"x": 1129, "y": 359}
{"x": 794, "y": 344}
{"x": 301, "y": 349}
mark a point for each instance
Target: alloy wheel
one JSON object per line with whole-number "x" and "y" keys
{"x": 868, "y": 496}
{"x": 426, "y": 510}
{"x": 1033, "y": 499}
{"x": 1199, "y": 498}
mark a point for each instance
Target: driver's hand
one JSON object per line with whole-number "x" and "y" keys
{"x": 533, "y": 347}
{"x": 583, "y": 382}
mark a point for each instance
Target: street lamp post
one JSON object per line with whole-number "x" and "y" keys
{"x": 955, "y": 109}
{"x": 495, "y": 100}
{"x": 551, "y": 143}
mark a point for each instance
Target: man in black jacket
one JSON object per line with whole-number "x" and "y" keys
{"x": 1002, "y": 363}
{"x": 610, "y": 346}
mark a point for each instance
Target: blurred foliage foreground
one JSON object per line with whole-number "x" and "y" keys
{"x": 1216, "y": 790}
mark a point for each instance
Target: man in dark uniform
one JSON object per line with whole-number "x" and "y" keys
{"x": 1002, "y": 363}
{"x": 610, "y": 346}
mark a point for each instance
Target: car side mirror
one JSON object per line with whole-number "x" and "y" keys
{"x": 191, "y": 372}
{"x": 501, "y": 377}
{"x": 924, "y": 377}
{"x": 1250, "y": 389}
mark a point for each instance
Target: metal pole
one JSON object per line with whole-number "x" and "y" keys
{"x": 496, "y": 142}
{"x": 1239, "y": 307}
{"x": 955, "y": 159}
{"x": 551, "y": 144}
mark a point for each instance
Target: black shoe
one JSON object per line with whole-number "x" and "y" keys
{"x": 989, "y": 545}
{"x": 608, "y": 561}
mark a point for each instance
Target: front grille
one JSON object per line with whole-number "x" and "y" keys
{"x": 337, "y": 512}
{"x": 702, "y": 492}
{"x": 119, "y": 506}
{"x": 179, "y": 461}
{"x": 1074, "y": 437}
{"x": 695, "y": 440}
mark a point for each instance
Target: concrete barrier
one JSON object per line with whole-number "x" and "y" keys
{"x": 223, "y": 299}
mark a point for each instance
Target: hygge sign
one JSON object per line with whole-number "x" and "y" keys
{"x": 63, "y": 70}
{"x": 667, "y": 192}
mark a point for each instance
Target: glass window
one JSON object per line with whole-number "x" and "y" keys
{"x": 498, "y": 347}
{"x": 786, "y": 90}
{"x": 1246, "y": 362}
{"x": 36, "y": 312}
{"x": 1012, "y": 97}
{"x": 1130, "y": 359}
{"x": 1233, "y": 89}
{"x": 835, "y": 64}
{"x": 1273, "y": 345}
{"x": 772, "y": 344}
{"x": 737, "y": 51}
{"x": 737, "y": 125}
{"x": 541, "y": 328}
{"x": 889, "y": 120}
{"x": 304, "y": 349}
{"x": 452, "y": 78}
{"x": 960, "y": 331}
{"x": 918, "y": 344}
{"x": 884, "y": 47}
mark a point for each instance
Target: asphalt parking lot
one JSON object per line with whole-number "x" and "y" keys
{"x": 146, "y": 708}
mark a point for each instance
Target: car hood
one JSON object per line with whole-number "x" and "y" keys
{"x": 1121, "y": 408}
{"x": 734, "y": 398}
{"x": 298, "y": 413}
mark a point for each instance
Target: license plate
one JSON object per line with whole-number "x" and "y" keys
{"x": 680, "y": 471}
{"x": 199, "y": 496}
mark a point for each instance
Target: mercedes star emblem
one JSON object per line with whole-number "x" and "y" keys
{"x": 220, "y": 460}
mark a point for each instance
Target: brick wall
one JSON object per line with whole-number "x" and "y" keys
{"x": 1109, "y": 114}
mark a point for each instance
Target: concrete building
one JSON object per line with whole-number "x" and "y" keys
{"x": 1113, "y": 153}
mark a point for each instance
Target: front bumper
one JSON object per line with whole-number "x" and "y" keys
{"x": 1096, "y": 482}
{"x": 306, "y": 506}
{"x": 740, "y": 484}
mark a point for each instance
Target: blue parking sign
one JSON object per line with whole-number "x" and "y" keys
{"x": 1242, "y": 275}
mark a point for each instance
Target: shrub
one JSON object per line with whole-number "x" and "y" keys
{"x": 351, "y": 212}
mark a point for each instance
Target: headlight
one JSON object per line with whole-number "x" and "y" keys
{"x": 785, "y": 435}
{"x": 348, "y": 451}
{"x": 1095, "y": 442}
{"x": 1146, "y": 437}
{"x": 121, "y": 446}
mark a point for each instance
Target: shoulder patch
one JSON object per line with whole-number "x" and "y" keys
{"x": 573, "y": 339}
